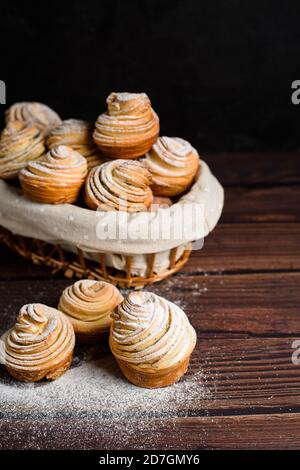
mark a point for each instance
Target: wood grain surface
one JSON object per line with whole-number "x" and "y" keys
{"x": 241, "y": 292}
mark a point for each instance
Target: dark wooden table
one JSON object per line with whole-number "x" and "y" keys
{"x": 242, "y": 294}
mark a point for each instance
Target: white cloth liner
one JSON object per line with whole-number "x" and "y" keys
{"x": 72, "y": 226}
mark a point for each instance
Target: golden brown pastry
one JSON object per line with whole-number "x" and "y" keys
{"x": 89, "y": 305}
{"x": 57, "y": 178}
{"x": 152, "y": 340}
{"x": 119, "y": 185}
{"x": 78, "y": 135}
{"x": 40, "y": 345}
{"x": 173, "y": 163}
{"x": 128, "y": 128}
{"x": 19, "y": 144}
{"x": 95, "y": 159}
{"x": 38, "y": 114}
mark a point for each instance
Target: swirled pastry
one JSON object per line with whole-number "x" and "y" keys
{"x": 128, "y": 128}
{"x": 152, "y": 340}
{"x": 19, "y": 144}
{"x": 40, "y": 345}
{"x": 78, "y": 135}
{"x": 119, "y": 185}
{"x": 89, "y": 305}
{"x": 57, "y": 178}
{"x": 38, "y": 114}
{"x": 173, "y": 163}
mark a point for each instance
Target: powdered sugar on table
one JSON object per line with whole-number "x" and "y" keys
{"x": 94, "y": 391}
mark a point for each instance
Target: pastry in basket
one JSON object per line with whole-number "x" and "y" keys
{"x": 128, "y": 242}
{"x": 173, "y": 163}
{"x": 122, "y": 185}
{"x": 40, "y": 345}
{"x": 57, "y": 178}
{"x": 89, "y": 305}
{"x": 151, "y": 339}
{"x": 43, "y": 117}
{"x": 78, "y": 135}
{"x": 19, "y": 144}
{"x": 129, "y": 127}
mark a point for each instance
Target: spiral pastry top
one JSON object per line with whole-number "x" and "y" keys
{"x": 90, "y": 302}
{"x": 151, "y": 333}
{"x": 57, "y": 178}
{"x": 43, "y": 117}
{"x": 39, "y": 345}
{"x": 128, "y": 128}
{"x": 19, "y": 144}
{"x": 173, "y": 163}
{"x": 78, "y": 135}
{"x": 119, "y": 185}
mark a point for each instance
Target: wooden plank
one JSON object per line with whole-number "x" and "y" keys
{"x": 244, "y": 372}
{"x": 254, "y": 168}
{"x": 268, "y": 431}
{"x": 245, "y": 381}
{"x": 256, "y": 304}
{"x": 268, "y": 204}
{"x": 230, "y": 247}
{"x": 229, "y": 303}
{"x": 14, "y": 266}
{"x": 248, "y": 375}
{"x": 14, "y": 294}
{"x": 248, "y": 304}
{"x": 248, "y": 247}
{"x": 240, "y": 376}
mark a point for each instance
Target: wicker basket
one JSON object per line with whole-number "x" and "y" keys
{"x": 76, "y": 265}
{"x": 31, "y": 229}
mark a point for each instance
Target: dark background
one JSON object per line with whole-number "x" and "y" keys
{"x": 218, "y": 73}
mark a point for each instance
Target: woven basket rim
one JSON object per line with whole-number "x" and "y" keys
{"x": 37, "y": 220}
{"x": 75, "y": 265}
